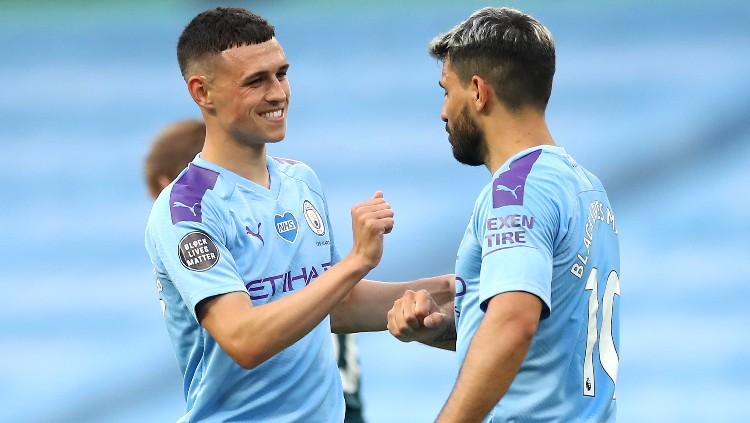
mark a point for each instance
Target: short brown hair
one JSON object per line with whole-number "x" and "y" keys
{"x": 219, "y": 29}
{"x": 507, "y": 47}
{"x": 171, "y": 151}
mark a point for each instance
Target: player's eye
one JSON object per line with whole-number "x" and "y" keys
{"x": 255, "y": 82}
{"x": 281, "y": 75}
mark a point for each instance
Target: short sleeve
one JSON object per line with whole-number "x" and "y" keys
{"x": 516, "y": 233}
{"x": 194, "y": 255}
{"x": 335, "y": 255}
{"x": 313, "y": 181}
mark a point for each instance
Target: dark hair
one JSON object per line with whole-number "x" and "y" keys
{"x": 219, "y": 29}
{"x": 171, "y": 151}
{"x": 512, "y": 50}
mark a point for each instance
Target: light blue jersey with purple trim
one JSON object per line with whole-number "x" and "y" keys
{"x": 213, "y": 232}
{"x": 544, "y": 225}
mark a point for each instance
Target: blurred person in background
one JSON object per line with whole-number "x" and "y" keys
{"x": 170, "y": 153}
{"x": 536, "y": 314}
{"x": 243, "y": 250}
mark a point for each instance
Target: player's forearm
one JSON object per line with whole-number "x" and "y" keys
{"x": 494, "y": 357}
{"x": 269, "y": 328}
{"x": 365, "y": 309}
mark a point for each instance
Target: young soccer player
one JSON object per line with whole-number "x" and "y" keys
{"x": 536, "y": 318}
{"x": 243, "y": 249}
{"x": 170, "y": 153}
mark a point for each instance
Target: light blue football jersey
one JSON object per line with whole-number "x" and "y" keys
{"x": 544, "y": 225}
{"x": 213, "y": 232}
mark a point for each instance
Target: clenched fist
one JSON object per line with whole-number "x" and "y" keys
{"x": 371, "y": 220}
{"x": 417, "y": 317}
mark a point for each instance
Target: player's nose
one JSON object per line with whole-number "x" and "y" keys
{"x": 276, "y": 93}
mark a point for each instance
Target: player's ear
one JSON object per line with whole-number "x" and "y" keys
{"x": 199, "y": 90}
{"x": 481, "y": 93}
{"x": 163, "y": 181}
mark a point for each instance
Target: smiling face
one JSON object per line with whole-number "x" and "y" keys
{"x": 464, "y": 134}
{"x": 248, "y": 92}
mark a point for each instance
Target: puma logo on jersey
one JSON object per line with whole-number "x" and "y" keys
{"x": 501, "y": 187}
{"x": 179, "y": 204}
{"x": 508, "y": 188}
{"x": 256, "y": 233}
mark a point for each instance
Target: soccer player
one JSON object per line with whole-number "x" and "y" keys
{"x": 535, "y": 320}
{"x": 243, "y": 250}
{"x": 170, "y": 153}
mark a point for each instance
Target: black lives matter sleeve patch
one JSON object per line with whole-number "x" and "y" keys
{"x": 198, "y": 252}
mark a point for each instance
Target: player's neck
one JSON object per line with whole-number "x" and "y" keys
{"x": 248, "y": 161}
{"x": 507, "y": 137}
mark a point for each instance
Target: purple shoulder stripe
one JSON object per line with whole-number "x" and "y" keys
{"x": 286, "y": 161}
{"x": 507, "y": 189}
{"x": 187, "y": 193}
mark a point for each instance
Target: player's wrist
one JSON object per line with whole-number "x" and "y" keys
{"x": 359, "y": 263}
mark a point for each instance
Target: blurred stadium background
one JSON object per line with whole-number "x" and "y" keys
{"x": 654, "y": 97}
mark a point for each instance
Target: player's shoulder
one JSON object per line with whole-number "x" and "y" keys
{"x": 294, "y": 168}
{"x": 542, "y": 172}
{"x": 297, "y": 170}
{"x": 189, "y": 198}
{"x": 553, "y": 170}
{"x": 559, "y": 171}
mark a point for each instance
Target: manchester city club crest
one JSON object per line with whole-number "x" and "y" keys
{"x": 313, "y": 218}
{"x": 286, "y": 226}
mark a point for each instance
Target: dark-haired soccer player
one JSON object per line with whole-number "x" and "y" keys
{"x": 536, "y": 321}
{"x": 170, "y": 153}
{"x": 243, "y": 248}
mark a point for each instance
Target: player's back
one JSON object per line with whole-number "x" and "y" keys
{"x": 570, "y": 370}
{"x": 542, "y": 226}
{"x": 596, "y": 267}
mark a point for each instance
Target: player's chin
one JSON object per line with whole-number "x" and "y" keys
{"x": 276, "y": 136}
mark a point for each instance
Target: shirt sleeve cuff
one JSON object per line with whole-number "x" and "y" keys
{"x": 531, "y": 288}
{"x": 208, "y": 293}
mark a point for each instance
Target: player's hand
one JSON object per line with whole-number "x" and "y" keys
{"x": 371, "y": 220}
{"x": 417, "y": 317}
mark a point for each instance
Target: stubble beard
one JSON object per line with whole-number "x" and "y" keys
{"x": 467, "y": 140}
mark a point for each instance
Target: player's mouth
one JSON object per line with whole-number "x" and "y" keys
{"x": 276, "y": 115}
